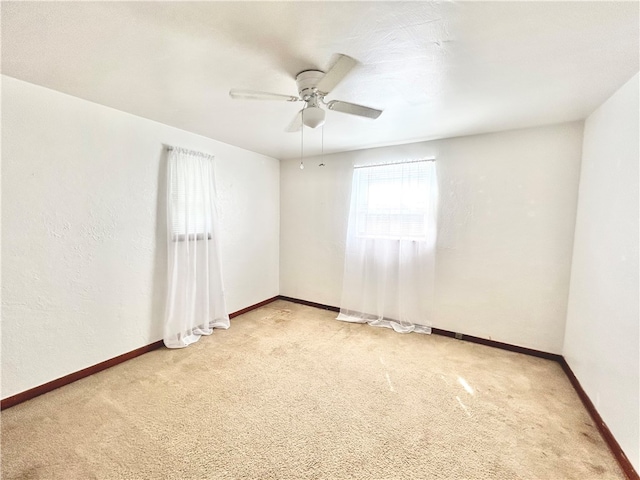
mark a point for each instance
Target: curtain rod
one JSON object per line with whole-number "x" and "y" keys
{"x": 192, "y": 152}
{"x": 395, "y": 163}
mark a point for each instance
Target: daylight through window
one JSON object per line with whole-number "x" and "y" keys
{"x": 393, "y": 201}
{"x": 191, "y": 203}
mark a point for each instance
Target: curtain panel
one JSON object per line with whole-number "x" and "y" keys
{"x": 390, "y": 247}
{"x": 195, "y": 294}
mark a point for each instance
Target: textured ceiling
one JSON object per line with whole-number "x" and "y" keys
{"x": 438, "y": 69}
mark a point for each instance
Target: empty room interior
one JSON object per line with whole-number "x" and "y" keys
{"x": 286, "y": 240}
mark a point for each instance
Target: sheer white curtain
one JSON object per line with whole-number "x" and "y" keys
{"x": 195, "y": 298}
{"x": 390, "y": 249}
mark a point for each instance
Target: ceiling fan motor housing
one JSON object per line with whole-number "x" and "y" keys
{"x": 307, "y": 82}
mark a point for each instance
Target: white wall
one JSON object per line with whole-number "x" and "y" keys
{"x": 507, "y": 215}
{"x": 602, "y": 338}
{"x": 83, "y": 240}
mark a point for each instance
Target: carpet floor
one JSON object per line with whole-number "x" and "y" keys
{"x": 290, "y": 393}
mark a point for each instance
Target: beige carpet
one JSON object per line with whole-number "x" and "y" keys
{"x": 290, "y": 393}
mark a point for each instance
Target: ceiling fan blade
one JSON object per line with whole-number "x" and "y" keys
{"x": 296, "y": 123}
{"x": 237, "y": 94}
{"x": 353, "y": 109}
{"x": 336, "y": 73}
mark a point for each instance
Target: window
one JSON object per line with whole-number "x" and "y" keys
{"x": 394, "y": 201}
{"x": 191, "y": 202}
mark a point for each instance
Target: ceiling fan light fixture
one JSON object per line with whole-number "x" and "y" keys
{"x": 313, "y": 117}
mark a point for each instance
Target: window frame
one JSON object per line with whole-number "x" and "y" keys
{"x": 364, "y": 209}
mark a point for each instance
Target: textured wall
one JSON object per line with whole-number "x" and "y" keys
{"x": 507, "y": 214}
{"x": 83, "y": 239}
{"x": 602, "y": 343}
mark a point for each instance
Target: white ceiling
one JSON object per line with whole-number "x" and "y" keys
{"x": 437, "y": 69}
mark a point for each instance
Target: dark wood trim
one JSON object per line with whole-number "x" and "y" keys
{"x": 309, "y": 304}
{"x": 253, "y": 307}
{"x": 447, "y": 333}
{"x": 72, "y": 377}
{"x": 608, "y": 437}
{"x": 496, "y": 344}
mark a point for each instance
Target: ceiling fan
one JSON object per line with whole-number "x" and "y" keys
{"x": 313, "y": 86}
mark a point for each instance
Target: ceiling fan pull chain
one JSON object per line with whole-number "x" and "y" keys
{"x": 302, "y": 142}
{"x": 322, "y": 147}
